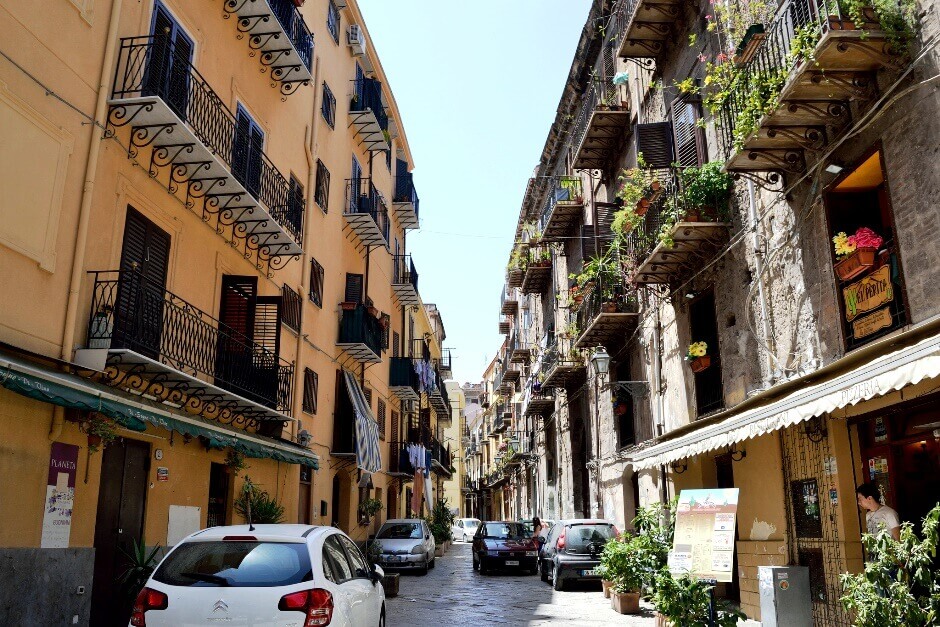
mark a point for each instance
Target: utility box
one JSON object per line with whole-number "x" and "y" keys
{"x": 785, "y": 599}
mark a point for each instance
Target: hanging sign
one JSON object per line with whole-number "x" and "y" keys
{"x": 869, "y": 293}
{"x": 60, "y": 495}
{"x": 704, "y": 541}
{"x": 872, "y": 323}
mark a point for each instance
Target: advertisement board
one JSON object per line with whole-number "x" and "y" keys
{"x": 704, "y": 542}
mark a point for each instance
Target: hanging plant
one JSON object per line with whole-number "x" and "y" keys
{"x": 235, "y": 461}
{"x": 101, "y": 431}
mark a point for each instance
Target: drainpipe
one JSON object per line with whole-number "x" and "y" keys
{"x": 770, "y": 378}
{"x": 659, "y": 412}
{"x": 84, "y": 212}
{"x": 310, "y": 146}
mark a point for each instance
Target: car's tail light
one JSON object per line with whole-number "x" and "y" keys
{"x": 561, "y": 540}
{"x": 316, "y": 603}
{"x": 148, "y": 599}
{"x": 239, "y": 539}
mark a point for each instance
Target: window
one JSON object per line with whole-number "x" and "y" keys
{"x": 316, "y": 283}
{"x": 328, "y": 108}
{"x": 704, "y": 328}
{"x": 335, "y": 556}
{"x": 367, "y": 392}
{"x": 311, "y": 385}
{"x": 690, "y": 139}
{"x": 332, "y": 21}
{"x": 322, "y": 191}
{"x": 353, "y": 288}
{"x": 295, "y": 206}
{"x": 290, "y": 308}
{"x": 386, "y": 323}
{"x": 359, "y": 564}
{"x": 249, "y": 564}
{"x": 380, "y": 417}
{"x": 396, "y": 344}
{"x": 247, "y": 153}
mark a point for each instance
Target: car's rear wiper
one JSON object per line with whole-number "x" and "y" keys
{"x": 222, "y": 581}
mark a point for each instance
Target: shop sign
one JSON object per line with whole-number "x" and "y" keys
{"x": 60, "y": 496}
{"x": 881, "y": 430}
{"x": 703, "y": 545}
{"x": 804, "y": 496}
{"x": 869, "y": 293}
{"x": 163, "y": 473}
{"x": 872, "y": 323}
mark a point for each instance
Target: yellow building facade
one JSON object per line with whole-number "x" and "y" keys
{"x": 204, "y": 263}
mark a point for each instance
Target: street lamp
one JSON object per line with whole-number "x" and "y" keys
{"x": 601, "y": 362}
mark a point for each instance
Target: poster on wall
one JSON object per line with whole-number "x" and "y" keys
{"x": 60, "y": 495}
{"x": 704, "y": 542}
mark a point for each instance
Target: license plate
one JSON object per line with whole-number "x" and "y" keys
{"x": 588, "y": 573}
{"x": 394, "y": 558}
{"x": 512, "y": 562}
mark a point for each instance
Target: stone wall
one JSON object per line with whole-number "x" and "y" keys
{"x": 30, "y": 574}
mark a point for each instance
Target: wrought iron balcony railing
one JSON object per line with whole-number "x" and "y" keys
{"x": 599, "y": 129}
{"x": 606, "y": 314}
{"x": 405, "y": 201}
{"x": 367, "y": 113}
{"x": 440, "y": 455}
{"x": 360, "y": 333}
{"x": 405, "y": 280}
{"x": 154, "y": 67}
{"x": 129, "y": 313}
{"x": 366, "y": 212}
{"x": 560, "y": 363}
{"x": 562, "y": 205}
{"x": 508, "y": 301}
{"x": 297, "y": 32}
{"x": 404, "y": 380}
{"x": 399, "y": 462}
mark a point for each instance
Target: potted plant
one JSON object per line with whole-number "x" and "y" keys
{"x": 705, "y": 188}
{"x": 685, "y": 601}
{"x": 256, "y": 506}
{"x": 698, "y": 357}
{"x": 367, "y": 509}
{"x": 623, "y": 567}
{"x": 235, "y": 462}
{"x": 571, "y": 185}
{"x": 856, "y": 253}
{"x": 348, "y": 305}
{"x": 101, "y": 431}
{"x": 139, "y": 565}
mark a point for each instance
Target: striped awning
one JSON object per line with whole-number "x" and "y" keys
{"x": 368, "y": 456}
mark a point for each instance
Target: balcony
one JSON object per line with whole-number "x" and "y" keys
{"x": 438, "y": 397}
{"x": 537, "y": 273}
{"x": 405, "y": 280}
{"x": 445, "y": 363}
{"x": 366, "y": 213}
{"x": 201, "y": 154}
{"x": 607, "y": 315}
{"x": 360, "y": 335}
{"x": 367, "y": 114}
{"x": 284, "y": 45}
{"x": 813, "y": 106}
{"x": 399, "y": 463}
{"x": 152, "y": 342}
{"x": 602, "y": 126}
{"x": 504, "y": 325}
{"x": 404, "y": 381}
{"x": 501, "y": 419}
{"x": 564, "y": 204}
{"x": 561, "y": 365}
{"x": 541, "y": 401}
{"x": 694, "y": 237}
{"x": 519, "y": 351}
{"x": 441, "y": 461}
{"x": 405, "y": 201}
{"x": 495, "y": 478}
{"x": 642, "y": 28}
{"x": 508, "y": 302}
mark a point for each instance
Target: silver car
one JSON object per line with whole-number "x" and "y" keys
{"x": 464, "y": 529}
{"x": 406, "y": 544}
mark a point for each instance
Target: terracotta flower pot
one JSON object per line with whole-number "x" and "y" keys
{"x": 662, "y": 621}
{"x": 625, "y": 602}
{"x": 609, "y": 307}
{"x": 94, "y": 440}
{"x": 347, "y": 305}
{"x": 700, "y": 363}
{"x": 374, "y": 312}
{"x": 856, "y": 263}
{"x": 606, "y": 585}
{"x": 642, "y": 206}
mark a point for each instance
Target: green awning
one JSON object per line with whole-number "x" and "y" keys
{"x": 68, "y": 390}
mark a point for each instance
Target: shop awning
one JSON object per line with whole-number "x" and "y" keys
{"x": 880, "y": 376}
{"x": 368, "y": 456}
{"x": 69, "y": 390}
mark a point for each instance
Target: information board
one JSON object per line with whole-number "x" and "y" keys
{"x": 704, "y": 542}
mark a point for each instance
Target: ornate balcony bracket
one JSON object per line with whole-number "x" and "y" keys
{"x": 636, "y": 389}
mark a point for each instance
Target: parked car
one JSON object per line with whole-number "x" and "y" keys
{"x": 407, "y": 544}
{"x": 504, "y": 544}
{"x": 266, "y": 574}
{"x": 464, "y": 528}
{"x": 573, "y": 550}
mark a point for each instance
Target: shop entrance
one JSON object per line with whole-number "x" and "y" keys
{"x": 217, "y": 511}
{"x": 120, "y": 523}
{"x": 900, "y": 451}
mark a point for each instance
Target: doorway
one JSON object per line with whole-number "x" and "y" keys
{"x": 122, "y": 494}
{"x": 217, "y": 511}
{"x": 724, "y": 471}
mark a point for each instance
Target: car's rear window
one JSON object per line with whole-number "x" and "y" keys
{"x": 579, "y": 537}
{"x": 236, "y": 564}
{"x": 400, "y": 531}
{"x": 505, "y": 531}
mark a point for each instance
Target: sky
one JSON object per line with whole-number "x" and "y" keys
{"x": 477, "y": 84}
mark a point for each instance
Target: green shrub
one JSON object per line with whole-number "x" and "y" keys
{"x": 264, "y": 508}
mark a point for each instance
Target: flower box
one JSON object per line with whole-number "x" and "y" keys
{"x": 700, "y": 363}
{"x": 625, "y": 602}
{"x": 856, "y": 263}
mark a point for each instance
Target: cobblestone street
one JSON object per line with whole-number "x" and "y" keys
{"x": 454, "y": 594}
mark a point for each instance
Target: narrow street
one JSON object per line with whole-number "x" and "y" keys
{"x": 454, "y": 594}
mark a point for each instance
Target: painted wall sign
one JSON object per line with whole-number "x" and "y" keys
{"x": 60, "y": 496}
{"x": 869, "y": 293}
{"x": 704, "y": 538}
{"x": 163, "y": 473}
{"x": 872, "y": 323}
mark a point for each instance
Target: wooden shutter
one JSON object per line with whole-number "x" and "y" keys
{"x": 316, "y": 283}
{"x": 396, "y": 344}
{"x": 395, "y": 419}
{"x": 353, "y": 288}
{"x": 367, "y": 392}
{"x": 385, "y": 329}
{"x": 292, "y": 308}
{"x": 380, "y": 417}
{"x": 268, "y": 323}
{"x": 311, "y": 387}
{"x": 654, "y": 142}
{"x": 588, "y": 249}
{"x": 605, "y": 220}
{"x": 237, "y": 309}
{"x": 689, "y": 138}
{"x": 323, "y": 186}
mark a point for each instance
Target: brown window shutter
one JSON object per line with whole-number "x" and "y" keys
{"x": 654, "y": 142}
{"x": 588, "y": 249}
{"x": 311, "y": 384}
{"x": 689, "y": 138}
{"x": 353, "y": 288}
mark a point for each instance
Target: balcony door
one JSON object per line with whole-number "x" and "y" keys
{"x": 247, "y": 152}
{"x": 169, "y": 63}
{"x": 139, "y": 303}
{"x": 358, "y": 202}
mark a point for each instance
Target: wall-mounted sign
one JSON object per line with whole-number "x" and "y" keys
{"x": 60, "y": 495}
{"x": 704, "y": 539}
{"x": 872, "y": 323}
{"x": 163, "y": 473}
{"x": 804, "y": 495}
{"x": 869, "y": 293}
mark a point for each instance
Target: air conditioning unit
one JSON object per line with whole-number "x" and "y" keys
{"x": 356, "y": 39}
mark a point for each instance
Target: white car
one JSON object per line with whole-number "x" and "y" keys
{"x": 406, "y": 543}
{"x": 464, "y": 529}
{"x": 271, "y": 575}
